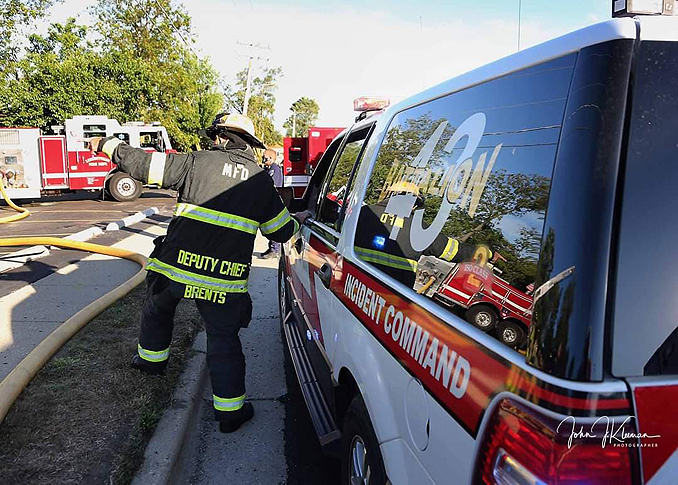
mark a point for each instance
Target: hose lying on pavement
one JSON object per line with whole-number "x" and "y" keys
{"x": 12, "y": 385}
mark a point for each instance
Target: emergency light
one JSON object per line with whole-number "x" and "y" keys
{"x": 370, "y": 103}
{"x": 629, "y": 8}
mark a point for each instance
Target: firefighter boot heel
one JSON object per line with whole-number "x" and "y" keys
{"x": 146, "y": 367}
{"x": 240, "y": 417}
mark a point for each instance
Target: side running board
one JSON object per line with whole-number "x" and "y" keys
{"x": 323, "y": 421}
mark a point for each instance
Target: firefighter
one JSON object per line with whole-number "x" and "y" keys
{"x": 396, "y": 257}
{"x": 275, "y": 172}
{"x": 207, "y": 251}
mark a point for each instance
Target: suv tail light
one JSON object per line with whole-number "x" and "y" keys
{"x": 521, "y": 447}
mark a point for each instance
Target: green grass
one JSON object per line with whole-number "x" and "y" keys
{"x": 87, "y": 415}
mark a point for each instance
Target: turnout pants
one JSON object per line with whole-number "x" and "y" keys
{"x": 223, "y": 321}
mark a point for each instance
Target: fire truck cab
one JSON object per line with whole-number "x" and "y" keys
{"x": 35, "y": 163}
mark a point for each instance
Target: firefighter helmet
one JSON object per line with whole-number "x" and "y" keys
{"x": 237, "y": 123}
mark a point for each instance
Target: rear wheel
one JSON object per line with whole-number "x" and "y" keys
{"x": 124, "y": 188}
{"x": 361, "y": 461}
{"x": 510, "y": 333}
{"x": 482, "y": 317}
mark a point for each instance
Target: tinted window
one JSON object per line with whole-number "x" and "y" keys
{"x": 456, "y": 201}
{"x": 645, "y": 335}
{"x": 337, "y": 186}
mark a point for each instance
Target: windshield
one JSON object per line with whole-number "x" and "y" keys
{"x": 645, "y": 335}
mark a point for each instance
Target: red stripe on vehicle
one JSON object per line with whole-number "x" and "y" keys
{"x": 443, "y": 362}
{"x": 656, "y": 415}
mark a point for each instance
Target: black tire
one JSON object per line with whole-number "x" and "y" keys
{"x": 511, "y": 333}
{"x": 483, "y": 317}
{"x": 123, "y": 187}
{"x": 359, "y": 446}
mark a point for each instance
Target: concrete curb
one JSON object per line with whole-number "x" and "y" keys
{"x": 17, "y": 259}
{"x": 162, "y": 458}
{"x": 129, "y": 220}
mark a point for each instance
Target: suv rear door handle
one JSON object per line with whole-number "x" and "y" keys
{"x": 325, "y": 274}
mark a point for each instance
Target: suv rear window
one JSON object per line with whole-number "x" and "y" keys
{"x": 465, "y": 179}
{"x": 645, "y": 329}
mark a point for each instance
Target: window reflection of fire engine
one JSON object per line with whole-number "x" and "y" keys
{"x": 490, "y": 301}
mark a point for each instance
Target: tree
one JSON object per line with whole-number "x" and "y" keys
{"x": 305, "y": 114}
{"x": 261, "y": 102}
{"x": 183, "y": 90}
{"x": 62, "y": 74}
{"x": 13, "y": 15}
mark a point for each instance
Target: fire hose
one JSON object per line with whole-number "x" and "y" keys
{"x": 12, "y": 385}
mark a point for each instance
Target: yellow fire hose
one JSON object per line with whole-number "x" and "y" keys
{"x": 22, "y": 213}
{"x": 12, "y": 385}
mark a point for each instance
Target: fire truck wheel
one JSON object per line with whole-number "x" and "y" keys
{"x": 482, "y": 317}
{"x": 361, "y": 461}
{"x": 510, "y": 333}
{"x": 124, "y": 188}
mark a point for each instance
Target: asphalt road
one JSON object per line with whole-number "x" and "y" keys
{"x": 279, "y": 446}
{"x": 70, "y": 213}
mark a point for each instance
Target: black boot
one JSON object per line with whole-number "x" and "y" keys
{"x": 237, "y": 418}
{"x": 148, "y": 367}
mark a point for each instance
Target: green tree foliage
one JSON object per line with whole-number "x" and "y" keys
{"x": 261, "y": 103}
{"x": 15, "y": 14}
{"x": 306, "y": 114}
{"x": 127, "y": 74}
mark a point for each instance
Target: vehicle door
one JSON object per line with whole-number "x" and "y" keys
{"x": 313, "y": 266}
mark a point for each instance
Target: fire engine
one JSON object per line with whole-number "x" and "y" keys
{"x": 37, "y": 164}
{"x": 301, "y": 155}
{"x": 488, "y": 300}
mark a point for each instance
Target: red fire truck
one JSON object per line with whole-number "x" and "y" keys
{"x": 36, "y": 164}
{"x": 490, "y": 301}
{"x": 301, "y": 155}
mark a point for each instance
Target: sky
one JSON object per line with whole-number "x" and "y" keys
{"x": 337, "y": 51}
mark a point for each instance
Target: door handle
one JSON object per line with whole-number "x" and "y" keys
{"x": 325, "y": 274}
{"x": 299, "y": 245}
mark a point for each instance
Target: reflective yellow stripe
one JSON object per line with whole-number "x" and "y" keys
{"x": 228, "y": 404}
{"x": 277, "y": 222}
{"x": 217, "y": 218}
{"x": 153, "y": 355}
{"x": 156, "y": 168}
{"x": 386, "y": 259}
{"x": 110, "y": 146}
{"x": 297, "y": 226}
{"x": 451, "y": 249}
{"x": 195, "y": 279}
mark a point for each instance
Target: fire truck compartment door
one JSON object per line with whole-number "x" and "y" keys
{"x": 53, "y": 162}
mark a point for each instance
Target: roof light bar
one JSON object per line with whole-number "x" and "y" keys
{"x": 630, "y": 8}
{"x": 370, "y": 103}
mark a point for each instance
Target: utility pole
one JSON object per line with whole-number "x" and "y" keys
{"x": 250, "y": 57}
{"x": 520, "y": 11}
{"x": 294, "y": 123}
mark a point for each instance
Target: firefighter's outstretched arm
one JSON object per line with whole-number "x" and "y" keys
{"x": 165, "y": 170}
{"x": 276, "y": 223}
{"x": 455, "y": 251}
